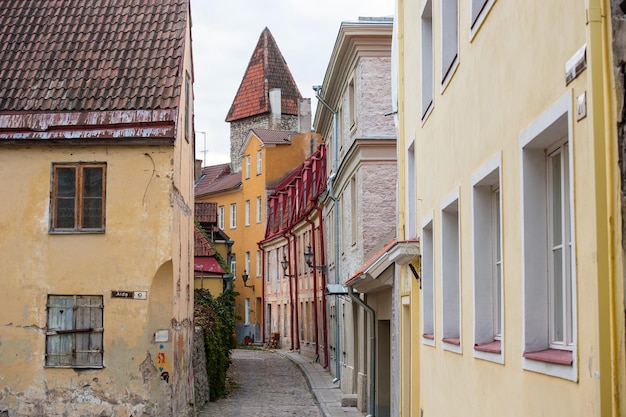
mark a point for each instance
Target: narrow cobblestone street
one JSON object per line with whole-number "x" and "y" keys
{"x": 268, "y": 385}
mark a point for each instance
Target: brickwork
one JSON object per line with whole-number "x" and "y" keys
{"x": 374, "y": 98}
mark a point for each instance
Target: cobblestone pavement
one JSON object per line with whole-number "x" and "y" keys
{"x": 270, "y": 385}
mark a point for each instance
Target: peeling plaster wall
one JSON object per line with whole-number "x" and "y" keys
{"x": 126, "y": 257}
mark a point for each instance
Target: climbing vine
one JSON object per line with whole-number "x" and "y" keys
{"x": 216, "y": 316}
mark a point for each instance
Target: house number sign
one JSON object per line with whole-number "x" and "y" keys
{"x": 137, "y": 295}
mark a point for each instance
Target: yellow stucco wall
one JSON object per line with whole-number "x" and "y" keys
{"x": 92, "y": 264}
{"x": 510, "y": 72}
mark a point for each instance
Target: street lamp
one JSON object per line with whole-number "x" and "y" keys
{"x": 308, "y": 258}
{"x": 285, "y": 264}
{"x": 245, "y": 277}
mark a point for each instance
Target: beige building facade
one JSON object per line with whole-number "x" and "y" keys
{"x": 509, "y": 177}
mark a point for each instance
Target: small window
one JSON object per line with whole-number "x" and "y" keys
{"x": 352, "y": 104}
{"x": 450, "y": 280}
{"x": 479, "y": 10}
{"x": 233, "y": 216}
{"x": 74, "y": 331}
{"x": 247, "y": 213}
{"x": 488, "y": 289}
{"x": 259, "y": 210}
{"x": 220, "y": 218}
{"x": 428, "y": 284}
{"x": 259, "y": 162}
{"x": 258, "y": 263}
{"x": 188, "y": 106}
{"x": 78, "y": 196}
{"x": 427, "y": 58}
{"x": 247, "y": 167}
{"x": 449, "y": 38}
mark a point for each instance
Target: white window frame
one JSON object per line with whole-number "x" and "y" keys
{"x": 426, "y": 24}
{"x": 428, "y": 282}
{"x": 449, "y": 53}
{"x": 450, "y": 272}
{"x": 411, "y": 212}
{"x": 220, "y": 217}
{"x": 259, "y": 257}
{"x": 233, "y": 216}
{"x": 259, "y": 209}
{"x": 247, "y": 167}
{"x": 479, "y": 9}
{"x": 259, "y": 162}
{"x": 247, "y": 213}
{"x": 553, "y": 128}
{"x": 487, "y": 255}
{"x": 247, "y": 263}
{"x": 247, "y": 312}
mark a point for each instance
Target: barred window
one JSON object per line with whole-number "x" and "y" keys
{"x": 74, "y": 331}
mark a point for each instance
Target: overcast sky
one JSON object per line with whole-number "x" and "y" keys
{"x": 225, "y": 33}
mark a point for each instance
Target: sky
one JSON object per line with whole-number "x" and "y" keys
{"x": 224, "y": 34}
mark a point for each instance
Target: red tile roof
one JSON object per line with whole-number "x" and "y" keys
{"x": 202, "y": 245}
{"x": 275, "y": 137}
{"x": 76, "y": 55}
{"x": 217, "y": 178}
{"x": 266, "y": 70}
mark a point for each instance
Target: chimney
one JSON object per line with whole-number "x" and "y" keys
{"x": 275, "y": 106}
{"x": 304, "y": 115}
{"x": 198, "y": 169}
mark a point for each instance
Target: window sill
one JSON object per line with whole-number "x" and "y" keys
{"x": 428, "y": 336}
{"x": 556, "y": 356}
{"x": 452, "y": 340}
{"x": 491, "y": 347}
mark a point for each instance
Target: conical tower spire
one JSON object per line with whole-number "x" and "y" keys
{"x": 266, "y": 70}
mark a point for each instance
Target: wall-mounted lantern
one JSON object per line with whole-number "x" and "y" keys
{"x": 308, "y": 258}
{"x": 245, "y": 277}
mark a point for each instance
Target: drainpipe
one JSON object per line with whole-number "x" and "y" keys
{"x": 295, "y": 285}
{"x": 290, "y": 290}
{"x": 331, "y": 181}
{"x": 371, "y": 403}
{"x": 602, "y": 133}
{"x": 315, "y": 318}
{"x": 262, "y": 293}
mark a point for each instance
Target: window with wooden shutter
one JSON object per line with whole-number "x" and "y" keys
{"x": 78, "y": 197}
{"x": 74, "y": 331}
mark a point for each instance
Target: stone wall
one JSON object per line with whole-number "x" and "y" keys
{"x": 201, "y": 379}
{"x": 239, "y": 130}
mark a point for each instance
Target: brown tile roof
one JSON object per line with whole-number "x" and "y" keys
{"x": 269, "y": 136}
{"x": 266, "y": 70}
{"x": 217, "y": 178}
{"x": 77, "y": 55}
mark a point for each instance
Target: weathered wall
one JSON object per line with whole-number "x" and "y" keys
{"x": 200, "y": 376}
{"x": 132, "y": 255}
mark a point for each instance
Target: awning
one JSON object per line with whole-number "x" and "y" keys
{"x": 207, "y": 264}
{"x": 376, "y": 274}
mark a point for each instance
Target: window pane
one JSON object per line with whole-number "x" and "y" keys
{"x": 557, "y": 220}
{"x": 92, "y": 213}
{"x": 65, "y": 182}
{"x": 557, "y": 295}
{"x": 92, "y": 182}
{"x": 65, "y": 212}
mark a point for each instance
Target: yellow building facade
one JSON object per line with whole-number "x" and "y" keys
{"x": 509, "y": 177}
{"x": 98, "y": 234}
